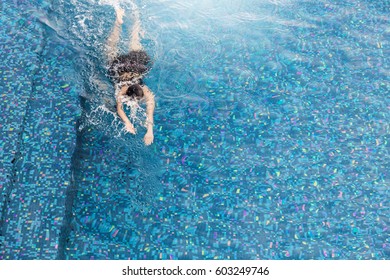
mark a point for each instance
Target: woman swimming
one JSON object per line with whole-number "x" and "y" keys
{"x": 127, "y": 71}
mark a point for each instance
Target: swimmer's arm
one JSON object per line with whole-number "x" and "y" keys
{"x": 150, "y": 104}
{"x": 122, "y": 114}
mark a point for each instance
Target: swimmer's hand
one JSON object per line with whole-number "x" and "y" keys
{"x": 130, "y": 128}
{"x": 149, "y": 137}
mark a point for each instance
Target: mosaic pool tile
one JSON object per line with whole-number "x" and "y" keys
{"x": 37, "y": 138}
{"x": 271, "y": 135}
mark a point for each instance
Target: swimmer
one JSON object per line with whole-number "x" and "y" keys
{"x": 127, "y": 71}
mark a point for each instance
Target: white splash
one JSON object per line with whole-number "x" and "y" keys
{"x": 105, "y": 118}
{"x": 137, "y": 114}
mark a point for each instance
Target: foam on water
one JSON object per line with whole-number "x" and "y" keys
{"x": 105, "y": 118}
{"x": 117, "y": 3}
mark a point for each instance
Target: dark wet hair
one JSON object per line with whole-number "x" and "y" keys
{"x": 135, "y": 91}
{"x": 134, "y": 62}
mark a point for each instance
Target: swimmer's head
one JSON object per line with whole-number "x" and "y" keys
{"x": 135, "y": 91}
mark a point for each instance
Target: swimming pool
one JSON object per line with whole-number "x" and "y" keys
{"x": 271, "y": 132}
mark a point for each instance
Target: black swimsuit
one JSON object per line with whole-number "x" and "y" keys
{"x": 137, "y": 62}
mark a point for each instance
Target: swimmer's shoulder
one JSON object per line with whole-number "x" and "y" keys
{"x": 147, "y": 91}
{"x": 121, "y": 92}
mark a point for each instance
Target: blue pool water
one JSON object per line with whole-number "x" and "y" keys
{"x": 271, "y": 132}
